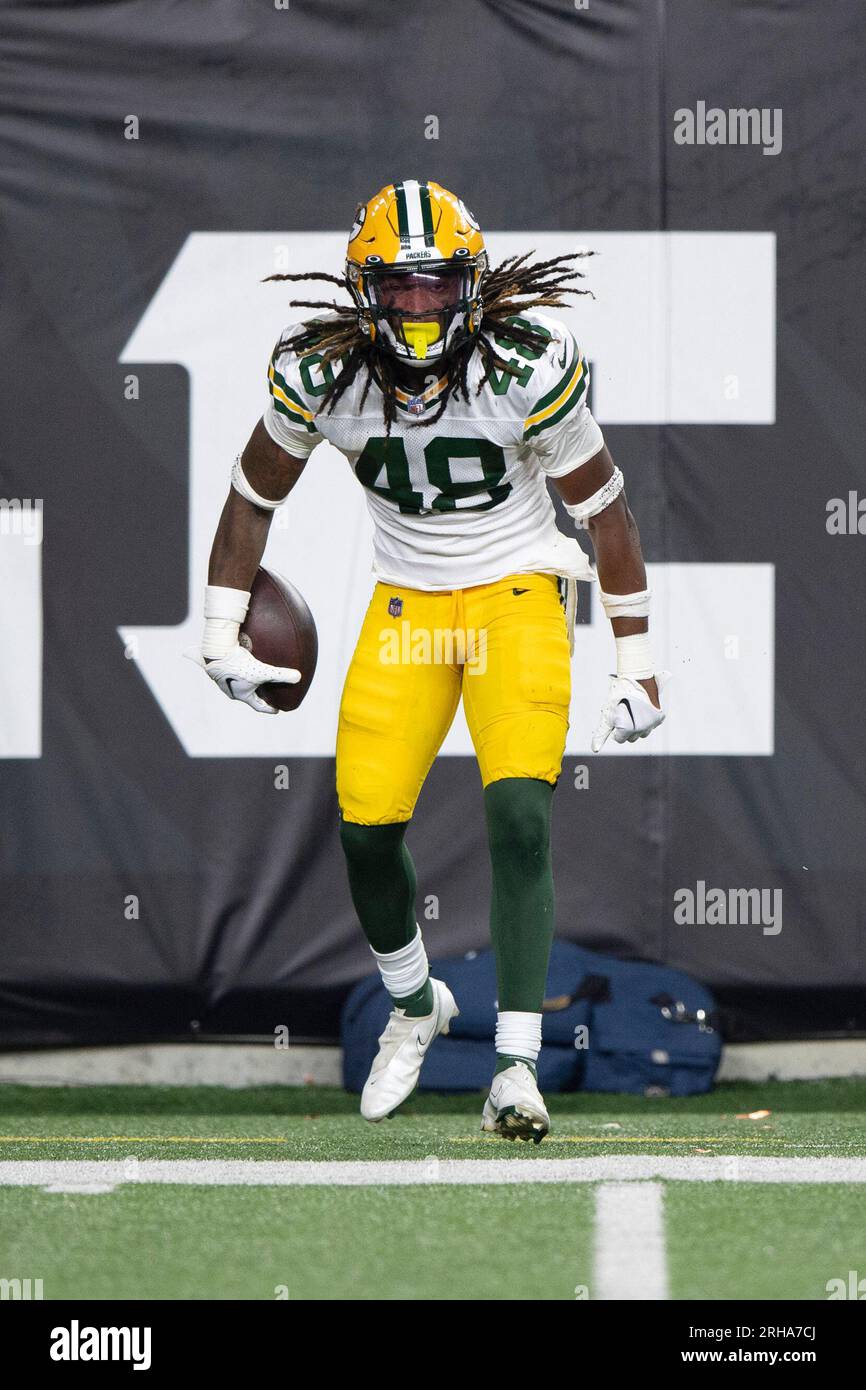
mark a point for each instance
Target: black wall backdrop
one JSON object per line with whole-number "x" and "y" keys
{"x": 152, "y": 892}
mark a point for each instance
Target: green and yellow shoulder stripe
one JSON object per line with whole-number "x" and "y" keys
{"x": 287, "y": 400}
{"x": 569, "y": 389}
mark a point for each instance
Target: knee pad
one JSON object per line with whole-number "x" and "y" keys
{"x": 365, "y": 844}
{"x": 518, "y": 819}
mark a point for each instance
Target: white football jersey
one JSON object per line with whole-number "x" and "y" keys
{"x": 463, "y": 501}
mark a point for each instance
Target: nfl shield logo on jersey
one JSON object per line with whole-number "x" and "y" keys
{"x": 395, "y": 607}
{"x": 416, "y": 405}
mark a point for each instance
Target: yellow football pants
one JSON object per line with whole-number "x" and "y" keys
{"x": 503, "y": 646}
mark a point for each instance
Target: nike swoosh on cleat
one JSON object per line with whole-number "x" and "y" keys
{"x": 520, "y": 591}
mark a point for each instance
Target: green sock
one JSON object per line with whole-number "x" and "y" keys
{"x": 382, "y": 882}
{"x": 521, "y": 913}
{"x": 503, "y": 1062}
{"x": 419, "y": 1004}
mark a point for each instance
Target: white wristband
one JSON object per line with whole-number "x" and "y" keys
{"x": 224, "y": 611}
{"x": 634, "y": 657}
{"x": 635, "y": 605}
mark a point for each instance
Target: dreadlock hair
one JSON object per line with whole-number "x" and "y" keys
{"x": 511, "y": 289}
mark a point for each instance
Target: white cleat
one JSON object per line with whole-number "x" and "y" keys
{"x": 514, "y": 1109}
{"x": 402, "y": 1049}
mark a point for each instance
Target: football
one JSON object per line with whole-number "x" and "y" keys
{"x": 280, "y": 630}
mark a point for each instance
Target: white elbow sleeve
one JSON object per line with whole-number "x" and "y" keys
{"x": 580, "y": 512}
{"x": 241, "y": 484}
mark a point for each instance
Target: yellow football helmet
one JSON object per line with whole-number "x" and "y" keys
{"x": 414, "y": 265}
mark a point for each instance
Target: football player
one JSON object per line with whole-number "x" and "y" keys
{"x": 454, "y": 397}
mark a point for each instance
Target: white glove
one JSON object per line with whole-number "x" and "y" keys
{"x": 239, "y": 674}
{"x": 629, "y": 713}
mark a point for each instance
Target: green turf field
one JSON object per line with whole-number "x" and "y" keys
{"x": 203, "y": 1193}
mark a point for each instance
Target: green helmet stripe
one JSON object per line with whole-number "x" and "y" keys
{"x": 402, "y": 214}
{"x": 426, "y": 214}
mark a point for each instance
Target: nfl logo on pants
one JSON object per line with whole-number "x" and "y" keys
{"x": 395, "y": 607}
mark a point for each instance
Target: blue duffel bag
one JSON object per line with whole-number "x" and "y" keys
{"x": 653, "y": 1031}
{"x": 609, "y": 1025}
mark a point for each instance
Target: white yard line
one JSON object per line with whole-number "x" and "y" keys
{"x": 630, "y": 1260}
{"x": 87, "y": 1175}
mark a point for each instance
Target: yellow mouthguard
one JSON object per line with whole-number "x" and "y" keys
{"x": 420, "y": 336}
